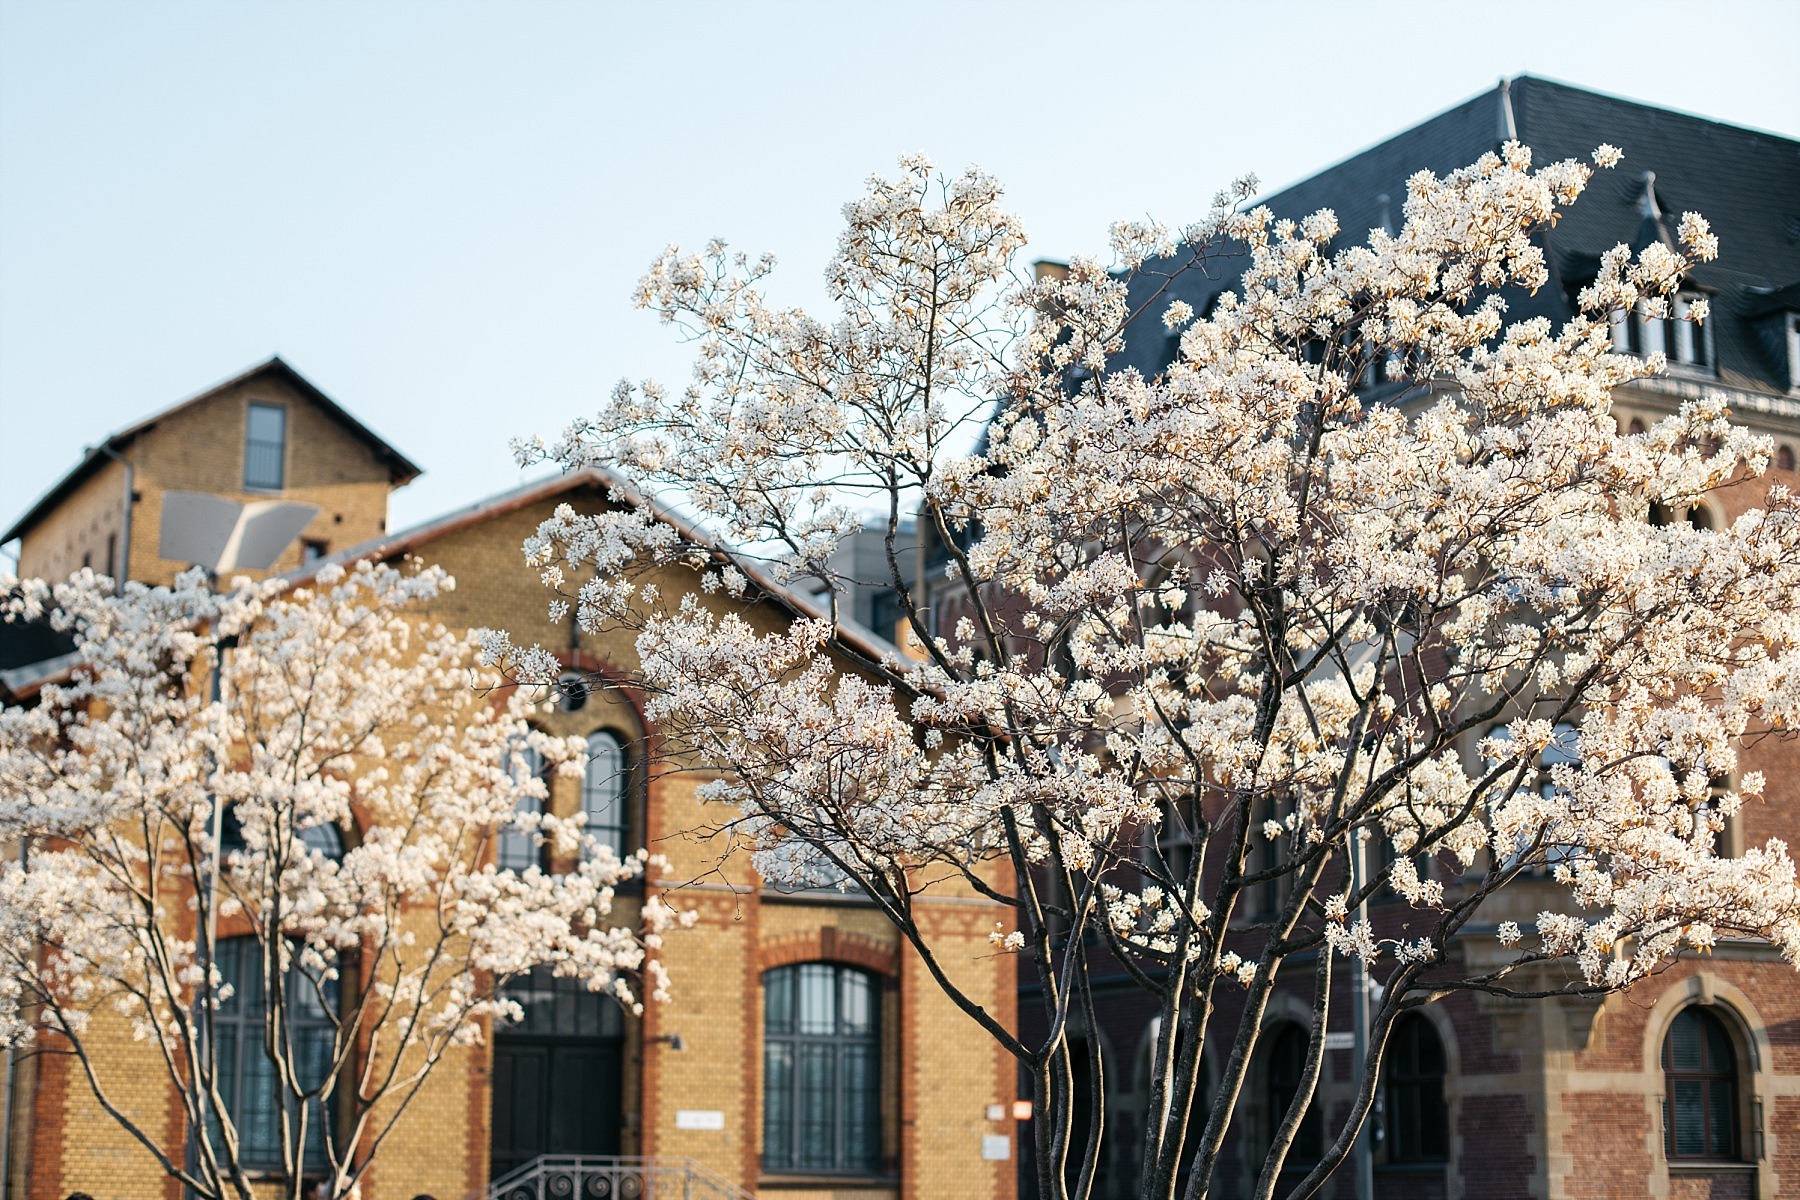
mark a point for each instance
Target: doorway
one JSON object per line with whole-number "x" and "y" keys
{"x": 557, "y": 1074}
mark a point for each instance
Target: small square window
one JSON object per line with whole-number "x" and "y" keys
{"x": 312, "y": 551}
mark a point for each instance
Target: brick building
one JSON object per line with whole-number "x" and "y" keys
{"x": 807, "y": 1054}
{"x": 1689, "y": 1084}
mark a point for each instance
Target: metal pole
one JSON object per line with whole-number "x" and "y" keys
{"x": 1359, "y": 1019}
{"x": 204, "y": 951}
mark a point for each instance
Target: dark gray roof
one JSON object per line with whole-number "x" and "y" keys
{"x": 1745, "y": 181}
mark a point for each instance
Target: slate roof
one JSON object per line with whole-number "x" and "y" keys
{"x": 1746, "y": 182}
{"x": 401, "y": 469}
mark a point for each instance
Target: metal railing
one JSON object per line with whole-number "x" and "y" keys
{"x": 583, "y": 1177}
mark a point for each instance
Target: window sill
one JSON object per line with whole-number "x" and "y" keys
{"x": 825, "y": 1180}
{"x": 1703, "y": 1166}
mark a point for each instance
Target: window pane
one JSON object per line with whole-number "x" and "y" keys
{"x": 265, "y": 436}
{"x": 1684, "y": 1042}
{"x": 1405, "y": 1117}
{"x": 778, "y": 1001}
{"x": 857, "y": 1014}
{"x": 1718, "y": 1047}
{"x": 778, "y": 1104}
{"x": 603, "y": 791}
{"x": 818, "y": 1108}
{"x": 862, "y": 1134}
{"x": 1434, "y": 1129}
{"x": 1719, "y": 1113}
{"x": 518, "y": 848}
{"x": 327, "y": 839}
{"x": 1690, "y": 1128}
{"x": 818, "y": 999}
{"x": 267, "y": 422}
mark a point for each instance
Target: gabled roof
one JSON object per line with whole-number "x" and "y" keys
{"x": 1743, "y": 181}
{"x": 409, "y": 541}
{"x": 25, "y": 679}
{"x": 400, "y": 468}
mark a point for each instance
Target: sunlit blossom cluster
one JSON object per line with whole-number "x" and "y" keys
{"x": 1226, "y": 630}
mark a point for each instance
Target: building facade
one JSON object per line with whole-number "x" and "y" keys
{"x": 806, "y": 1053}
{"x": 1688, "y": 1085}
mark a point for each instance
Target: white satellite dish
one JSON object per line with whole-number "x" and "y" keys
{"x": 223, "y": 535}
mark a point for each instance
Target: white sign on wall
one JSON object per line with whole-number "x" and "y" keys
{"x": 699, "y": 1118}
{"x": 996, "y": 1147}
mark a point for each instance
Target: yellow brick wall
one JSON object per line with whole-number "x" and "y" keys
{"x": 939, "y": 1070}
{"x": 79, "y": 529}
{"x": 200, "y": 448}
{"x": 84, "y": 1148}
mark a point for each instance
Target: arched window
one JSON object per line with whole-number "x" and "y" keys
{"x": 1784, "y": 457}
{"x": 521, "y": 848}
{"x": 326, "y": 838}
{"x": 1418, "y": 1125}
{"x": 604, "y": 794}
{"x": 1287, "y": 1066}
{"x": 248, "y": 1078}
{"x": 821, "y": 1070}
{"x": 1700, "y": 1108}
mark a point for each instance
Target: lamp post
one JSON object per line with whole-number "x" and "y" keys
{"x": 1360, "y": 984}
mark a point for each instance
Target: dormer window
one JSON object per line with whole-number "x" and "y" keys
{"x": 1679, "y": 335}
{"x": 265, "y": 447}
{"x": 1793, "y": 350}
{"x": 1687, "y": 337}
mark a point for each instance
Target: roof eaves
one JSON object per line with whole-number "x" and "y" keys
{"x": 859, "y": 638}
{"x": 21, "y": 682}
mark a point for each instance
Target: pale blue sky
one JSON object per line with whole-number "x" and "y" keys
{"x": 437, "y": 211}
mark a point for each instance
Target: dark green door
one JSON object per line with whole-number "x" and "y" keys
{"x": 556, "y": 1076}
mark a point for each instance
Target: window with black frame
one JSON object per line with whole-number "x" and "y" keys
{"x": 1418, "y": 1127}
{"x": 265, "y": 447}
{"x": 1287, "y": 1069}
{"x": 821, "y": 1070}
{"x": 1700, "y": 1108}
{"x": 249, "y": 1081}
{"x": 520, "y": 847}
{"x": 605, "y": 791}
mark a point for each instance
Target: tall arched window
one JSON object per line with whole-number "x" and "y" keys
{"x": 1700, "y": 1113}
{"x": 1418, "y": 1124}
{"x": 521, "y": 848}
{"x": 821, "y": 1070}
{"x": 604, "y": 795}
{"x": 1287, "y": 1066}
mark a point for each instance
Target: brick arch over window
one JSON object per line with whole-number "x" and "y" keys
{"x": 828, "y": 944}
{"x": 1749, "y": 1033}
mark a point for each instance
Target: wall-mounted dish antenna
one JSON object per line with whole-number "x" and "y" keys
{"x": 224, "y": 535}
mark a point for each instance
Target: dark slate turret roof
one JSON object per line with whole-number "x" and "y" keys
{"x": 1746, "y": 182}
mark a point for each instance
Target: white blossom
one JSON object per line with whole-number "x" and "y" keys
{"x": 361, "y": 782}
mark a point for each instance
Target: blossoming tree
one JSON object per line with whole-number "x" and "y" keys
{"x": 1230, "y": 632}
{"x": 299, "y": 831}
